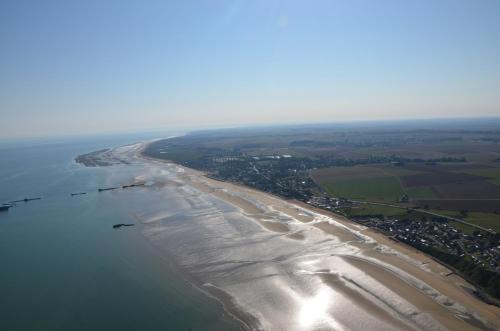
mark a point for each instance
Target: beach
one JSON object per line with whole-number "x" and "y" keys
{"x": 276, "y": 264}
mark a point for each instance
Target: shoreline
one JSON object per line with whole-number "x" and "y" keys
{"x": 470, "y": 287}
{"x": 245, "y": 321}
{"x": 378, "y": 235}
{"x": 400, "y": 256}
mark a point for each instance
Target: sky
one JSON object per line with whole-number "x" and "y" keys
{"x": 102, "y": 66}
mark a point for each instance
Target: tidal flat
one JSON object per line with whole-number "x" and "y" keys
{"x": 278, "y": 265}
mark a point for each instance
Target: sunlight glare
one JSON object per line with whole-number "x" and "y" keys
{"x": 314, "y": 309}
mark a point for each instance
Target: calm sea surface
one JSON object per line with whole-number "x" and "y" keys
{"x": 63, "y": 266}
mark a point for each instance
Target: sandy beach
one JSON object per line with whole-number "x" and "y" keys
{"x": 278, "y": 264}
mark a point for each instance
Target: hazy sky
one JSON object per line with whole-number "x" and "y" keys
{"x": 104, "y": 66}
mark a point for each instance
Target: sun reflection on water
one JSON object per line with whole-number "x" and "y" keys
{"x": 313, "y": 310}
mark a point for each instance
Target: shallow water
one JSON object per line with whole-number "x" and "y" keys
{"x": 63, "y": 266}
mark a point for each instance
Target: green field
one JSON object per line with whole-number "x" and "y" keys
{"x": 487, "y": 220}
{"x": 463, "y": 227}
{"x": 371, "y": 189}
{"x": 372, "y": 210}
{"x": 445, "y": 186}
{"x": 420, "y": 192}
{"x": 369, "y": 183}
{"x": 493, "y": 175}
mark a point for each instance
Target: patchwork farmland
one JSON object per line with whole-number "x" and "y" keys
{"x": 446, "y": 167}
{"x": 468, "y": 191}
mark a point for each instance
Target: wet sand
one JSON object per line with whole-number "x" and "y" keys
{"x": 428, "y": 270}
{"x": 432, "y": 274}
{"x": 280, "y": 264}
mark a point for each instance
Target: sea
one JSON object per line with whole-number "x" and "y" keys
{"x": 62, "y": 264}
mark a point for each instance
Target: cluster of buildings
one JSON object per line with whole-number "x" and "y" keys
{"x": 281, "y": 175}
{"x": 478, "y": 247}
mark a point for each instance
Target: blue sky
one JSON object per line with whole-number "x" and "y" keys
{"x": 72, "y": 67}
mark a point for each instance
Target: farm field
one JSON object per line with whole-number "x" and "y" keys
{"x": 487, "y": 220}
{"x": 423, "y": 192}
{"x": 385, "y": 189}
{"x": 490, "y": 205}
{"x": 492, "y": 174}
{"x": 453, "y": 187}
{"x": 443, "y": 167}
{"x": 360, "y": 183}
{"x": 375, "y": 210}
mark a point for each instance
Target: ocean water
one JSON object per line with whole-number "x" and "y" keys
{"x": 63, "y": 266}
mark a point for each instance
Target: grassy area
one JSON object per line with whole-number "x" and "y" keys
{"x": 487, "y": 220}
{"x": 381, "y": 183}
{"x": 344, "y": 173}
{"x": 463, "y": 227}
{"x": 398, "y": 171}
{"x": 387, "y": 189}
{"x": 370, "y": 151}
{"x": 385, "y": 211}
{"x": 369, "y": 210}
{"x": 493, "y": 175}
{"x": 387, "y": 183}
{"x": 420, "y": 193}
{"x": 451, "y": 213}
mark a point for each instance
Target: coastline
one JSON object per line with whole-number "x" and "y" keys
{"x": 396, "y": 258}
{"x": 245, "y": 321}
{"x": 112, "y": 278}
{"x": 431, "y": 263}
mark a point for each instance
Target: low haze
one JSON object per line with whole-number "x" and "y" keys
{"x": 108, "y": 66}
